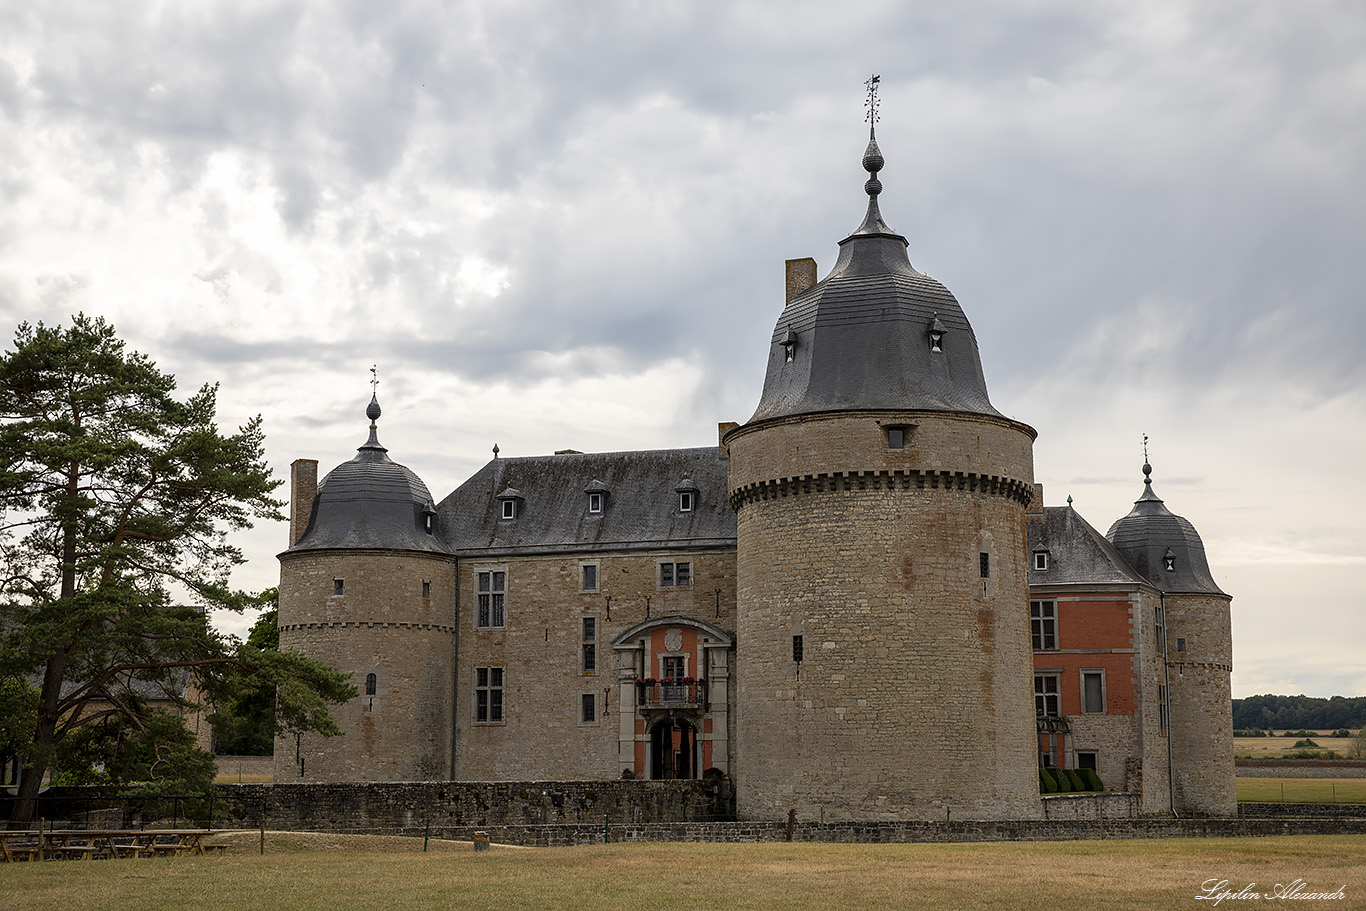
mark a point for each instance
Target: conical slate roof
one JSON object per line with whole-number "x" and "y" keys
{"x": 1164, "y": 548}
{"x": 372, "y": 502}
{"x": 861, "y": 338}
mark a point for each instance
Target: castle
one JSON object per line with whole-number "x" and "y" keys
{"x": 855, "y": 605}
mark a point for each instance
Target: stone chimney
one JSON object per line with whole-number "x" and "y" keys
{"x": 722, "y": 429}
{"x": 801, "y": 274}
{"x": 303, "y": 490}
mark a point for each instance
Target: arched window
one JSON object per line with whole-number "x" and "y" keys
{"x": 371, "y": 682}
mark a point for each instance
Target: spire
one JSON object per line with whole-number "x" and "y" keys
{"x": 372, "y": 411}
{"x": 1148, "y": 493}
{"x": 872, "y": 163}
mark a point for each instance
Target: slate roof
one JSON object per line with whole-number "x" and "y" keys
{"x": 1077, "y": 552}
{"x": 862, "y": 334}
{"x": 1149, "y": 532}
{"x": 641, "y": 511}
{"x": 370, "y": 502}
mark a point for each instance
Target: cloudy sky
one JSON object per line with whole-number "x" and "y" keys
{"x": 559, "y": 225}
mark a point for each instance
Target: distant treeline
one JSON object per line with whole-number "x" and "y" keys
{"x": 1282, "y": 712}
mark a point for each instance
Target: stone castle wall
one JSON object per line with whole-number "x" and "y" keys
{"x": 540, "y": 649}
{"x": 1201, "y": 703}
{"x": 379, "y": 624}
{"x": 913, "y": 696}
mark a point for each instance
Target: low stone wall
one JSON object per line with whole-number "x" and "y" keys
{"x": 1281, "y": 810}
{"x": 1101, "y": 805}
{"x": 391, "y": 806}
{"x": 907, "y": 832}
{"x": 1299, "y": 768}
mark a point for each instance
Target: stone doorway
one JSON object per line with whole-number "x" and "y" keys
{"x": 673, "y": 743}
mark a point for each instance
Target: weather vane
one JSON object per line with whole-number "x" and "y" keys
{"x": 1145, "y": 448}
{"x": 374, "y": 379}
{"x": 871, "y": 115}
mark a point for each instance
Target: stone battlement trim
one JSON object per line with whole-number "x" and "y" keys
{"x": 369, "y": 624}
{"x": 882, "y": 479}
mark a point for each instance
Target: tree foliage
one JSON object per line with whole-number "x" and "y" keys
{"x": 117, "y": 500}
{"x": 1299, "y": 712}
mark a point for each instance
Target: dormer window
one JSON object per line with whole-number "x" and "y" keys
{"x": 687, "y": 495}
{"x": 789, "y": 344}
{"x": 428, "y": 517}
{"x": 936, "y": 333}
{"x": 1169, "y": 561}
{"x": 1040, "y": 560}
{"x": 509, "y": 503}
{"x": 596, "y": 491}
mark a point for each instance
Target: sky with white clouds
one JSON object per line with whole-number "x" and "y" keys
{"x": 559, "y": 225}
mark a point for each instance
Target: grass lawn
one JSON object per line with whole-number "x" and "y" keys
{"x": 1302, "y": 790}
{"x": 332, "y": 871}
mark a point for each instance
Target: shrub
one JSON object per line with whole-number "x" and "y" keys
{"x": 1306, "y": 744}
{"x": 1064, "y": 783}
{"x": 1093, "y": 781}
{"x": 1047, "y": 785}
{"x": 1077, "y": 782}
{"x": 1299, "y": 733}
{"x": 1249, "y": 732}
{"x": 1358, "y": 748}
{"x": 1342, "y": 732}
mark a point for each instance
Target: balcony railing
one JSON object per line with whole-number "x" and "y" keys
{"x": 670, "y": 695}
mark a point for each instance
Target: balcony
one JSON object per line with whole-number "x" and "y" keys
{"x": 667, "y": 694}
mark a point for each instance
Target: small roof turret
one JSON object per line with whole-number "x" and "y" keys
{"x": 1163, "y": 547}
{"x": 372, "y": 502}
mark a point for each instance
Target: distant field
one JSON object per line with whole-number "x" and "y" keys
{"x": 1275, "y": 747}
{"x": 337, "y": 871}
{"x": 1302, "y": 790}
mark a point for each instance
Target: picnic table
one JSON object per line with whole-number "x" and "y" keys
{"x": 86, "y": 844}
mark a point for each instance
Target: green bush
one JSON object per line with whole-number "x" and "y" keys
{"x": 1077, "y": 782}
{"x": 1342, "y": 732}
{"x": 1064, "y": 783}
{"x": 1047, "y": 784}
{"x": 1093, "y": 782}
{"x": 1306, "y": 743}
{"x": 1299, "y": 733}
{"x": 1249, "y": 732}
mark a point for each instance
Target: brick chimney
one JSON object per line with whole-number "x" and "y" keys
{"x": 801, "y": 274}
{"x": 303, "y": 490}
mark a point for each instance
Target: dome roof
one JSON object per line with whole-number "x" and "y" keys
{"x": 372, "y": 502}
{"x": 873, "y": 334}
{"x": 1164, "y": 548}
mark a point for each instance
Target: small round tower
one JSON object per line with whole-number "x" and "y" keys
{"x": 368, "y": 587}
{"x": 1195, "y": 618}
{"x": 884, "y": 660}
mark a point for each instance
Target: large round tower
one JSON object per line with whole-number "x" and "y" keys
{"x": 884, "y": 659}
{"x": 1195, "y": 706}
{"x": 368, "y": 587}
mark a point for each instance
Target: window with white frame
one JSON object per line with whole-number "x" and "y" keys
{"x": 1043, "y": 624}
{"x": 509, "y": 509}
{"x": 595, "y": 502}
{"x": 1093, "y": 691}
{"x": 488, "y": 695}
{"x": 1040, "y": 560}
{"x": 675, "y": 575}
{"x": 491, "y": 601}
{"x": 1046, "y": 689}
{"x": 686, "y": 500}
{"x": 589, "y": 646}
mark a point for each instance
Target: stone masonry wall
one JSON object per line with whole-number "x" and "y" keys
{"x": 379, "y": 624}
{"x": 1201, "y": 703}
{"x": 915, "y": 669}
{"x": 540, "y": 649}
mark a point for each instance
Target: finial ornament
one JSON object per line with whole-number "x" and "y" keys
{"x": 495, "y": 450}
{"x": 374, "y": 379}
{"x": 372, "y": 410}
{"x": 1147, "y": 468}
{"x": 871, "y": 113}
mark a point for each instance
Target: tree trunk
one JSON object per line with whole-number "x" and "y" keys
{"x": 35, "y": 765}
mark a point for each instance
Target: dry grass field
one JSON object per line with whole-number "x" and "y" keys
{"x": 341, "y": 872}
{"x": 1302, "y": 790}
{"x": 1277, "y": 747}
